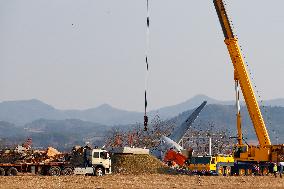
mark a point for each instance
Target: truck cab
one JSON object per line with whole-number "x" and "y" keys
{"x": 96, "y": 162}
{"x": 100, "y": 158}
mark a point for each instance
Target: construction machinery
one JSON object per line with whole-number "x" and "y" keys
{"x": 211, "y": 165}
{"x": 201, "y": 165}
{"x": 249, "y": 158}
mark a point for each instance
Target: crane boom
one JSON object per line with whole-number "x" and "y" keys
{"x": 242, "y": 76}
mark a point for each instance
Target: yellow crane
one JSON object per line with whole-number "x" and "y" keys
{"x": 247, "y": 154}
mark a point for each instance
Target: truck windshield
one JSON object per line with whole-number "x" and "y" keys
{"x": 104, "y": 155}
{"x": 96, "y": 155}
{"x": 200, "y": 160}
{"x": 213, "y": 161}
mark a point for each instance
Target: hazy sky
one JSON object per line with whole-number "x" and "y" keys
{"x": 82, "y": 53}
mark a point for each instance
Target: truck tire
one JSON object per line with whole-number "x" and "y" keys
{"x": 12, "y": 172}
{"x": 229, "y": 170}
{"x": 219, "y": 170}
{"x": 67, "y": 171}
{"x": 99, "y": 171}
{"x": 2, "y": 171}
{"x": 54, "y": 171}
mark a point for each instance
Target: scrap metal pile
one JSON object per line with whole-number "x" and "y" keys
{"x": 30, "y": 155}
{"x": 21, "y": 154}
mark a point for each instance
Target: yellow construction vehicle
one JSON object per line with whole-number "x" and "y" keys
{"x": 201, "y": 165}
{"x": 211, "y": 165}
{"x": 249, "y": 158}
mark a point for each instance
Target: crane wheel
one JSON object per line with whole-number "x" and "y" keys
{"x": 67, "y": 171}
{"x": 242, "y": 172}
{"x": 2, "y": 171}
{"x": 265, "y": 171}
{"x": 54, "y": 171}
{"x": 12, "y": 172}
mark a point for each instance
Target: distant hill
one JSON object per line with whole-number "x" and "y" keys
{"x": 223, "y": 117}
{"x": 10, "y": 130}
{"x": 25, "y": 111}
{"x": 63, "y": 134}
{"x": 105, "y": 114}
{"x": 171, "y": 111}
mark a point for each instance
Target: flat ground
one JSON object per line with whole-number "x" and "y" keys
{"x": 141, "y": 181}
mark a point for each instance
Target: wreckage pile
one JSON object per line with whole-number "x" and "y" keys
{"x": 137, "y": 164}
{"x": 30, "y": 156}
{"x": 76, "y": 157}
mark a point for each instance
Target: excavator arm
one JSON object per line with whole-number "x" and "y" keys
{"x": 242, "y": 76}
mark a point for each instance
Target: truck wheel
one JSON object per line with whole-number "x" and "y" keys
{"x": 99, "y": 171}
{"x": 219, "y": 170}
{"x": 242, "y": 172}
{"x": 67, "y": 171}
{"x": 12, "y": 172}
{"x": 2, "y": 172}
{"x": 54, "y": 171}
{"x": 229, "y": 171}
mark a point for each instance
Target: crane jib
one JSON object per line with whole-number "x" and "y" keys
{"x": 223, "y": 18}
{"x": 242, "y": 76}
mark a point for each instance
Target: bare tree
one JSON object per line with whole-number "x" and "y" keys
{"x": 137, "y": 137}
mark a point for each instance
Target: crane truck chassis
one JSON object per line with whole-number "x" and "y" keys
{"x": 96, "y": 162}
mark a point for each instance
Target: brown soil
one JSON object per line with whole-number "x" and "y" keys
{"x": 140, "y": 181}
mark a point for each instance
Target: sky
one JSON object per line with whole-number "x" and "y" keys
{"x": 80, "y": 54}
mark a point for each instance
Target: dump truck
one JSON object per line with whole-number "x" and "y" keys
{"x": 85, "y": 161}
{"x": 211, "y": 165}
{"x": 202, "y": 165}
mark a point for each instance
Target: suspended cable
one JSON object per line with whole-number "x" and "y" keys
{"x": 147, "y": 65}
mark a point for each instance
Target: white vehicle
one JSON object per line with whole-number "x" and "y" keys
{"x": 97, "y": 162}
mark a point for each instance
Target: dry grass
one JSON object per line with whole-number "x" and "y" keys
{"x": 140, "y": 181}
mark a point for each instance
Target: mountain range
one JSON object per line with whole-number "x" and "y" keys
{"x": 48, "y": 126}
{"x": 63, "y": 134}
{"x": 25, "y": 111}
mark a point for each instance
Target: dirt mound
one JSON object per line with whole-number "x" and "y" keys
{"x": 137, "y": 164}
